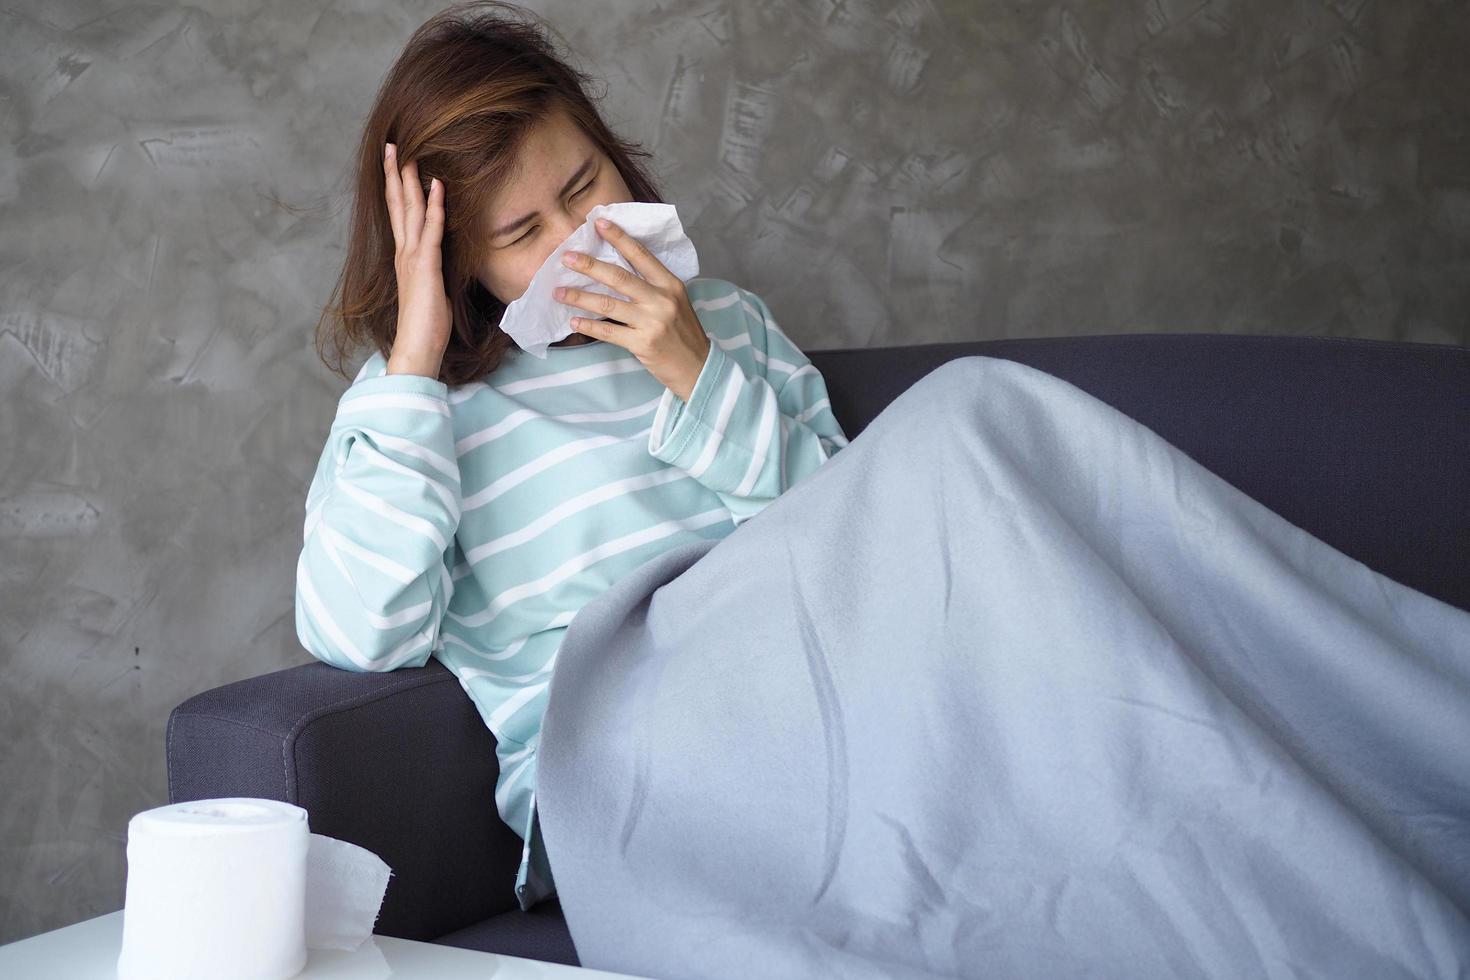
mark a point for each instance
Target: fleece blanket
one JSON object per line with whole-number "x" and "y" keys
{"x": 1011, "y": 687}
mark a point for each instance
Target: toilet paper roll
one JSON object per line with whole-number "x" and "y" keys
{"x": 239, "y": 888}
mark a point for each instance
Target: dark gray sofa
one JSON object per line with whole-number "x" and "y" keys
{"x": 1365, "y": 444}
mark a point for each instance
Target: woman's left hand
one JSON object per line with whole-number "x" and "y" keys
{"x": 659, "y": 325}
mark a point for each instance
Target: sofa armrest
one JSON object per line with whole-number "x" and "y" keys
{"x": 399, "y": 763}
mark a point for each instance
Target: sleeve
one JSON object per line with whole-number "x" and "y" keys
{"x": 378, "y": 546}
{"x": 750, "y": 437}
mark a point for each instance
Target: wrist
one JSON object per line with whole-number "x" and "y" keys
{"x": 686, "y": 391}
{"x": 409, "y": 362}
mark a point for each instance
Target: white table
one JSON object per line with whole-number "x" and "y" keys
{"x": 89, "y": 950}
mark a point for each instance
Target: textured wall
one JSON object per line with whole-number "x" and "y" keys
{"x": 936, "y": 171}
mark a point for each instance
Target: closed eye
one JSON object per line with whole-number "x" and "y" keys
{"x": 532, "y": 230}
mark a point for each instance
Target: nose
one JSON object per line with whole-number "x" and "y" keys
{"x": 566, "y": 223}
{"x": 556, "y": 231}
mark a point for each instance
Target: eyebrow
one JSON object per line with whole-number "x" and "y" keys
{"x": 565, "y": 189}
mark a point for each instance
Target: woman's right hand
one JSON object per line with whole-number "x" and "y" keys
{"x": 423, "y": 304}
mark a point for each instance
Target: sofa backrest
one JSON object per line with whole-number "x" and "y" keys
{"x": 1363, "y": 443}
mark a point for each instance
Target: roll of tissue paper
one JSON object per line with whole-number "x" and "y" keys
{"x": 238, "y": 888}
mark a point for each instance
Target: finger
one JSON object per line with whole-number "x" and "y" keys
{"x": 613, "y": 333}
{"x": 434, "y": 220}
{"x": 599, "y": 303}
{"x": 644, "y": 262}
{"x": 393, "y": 189}
{"x": 413, "y": 205}
{"x": 616, "y": 276}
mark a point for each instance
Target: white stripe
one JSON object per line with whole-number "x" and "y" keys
{"x": 762, "y": 441}
{"x": 500, "y": 679}
{"x": 408, "y": 400}
{"x": 513, "y": 764}
{"x": 313, "y": 516}
{"x": 572, "y": 376}
{"x": 519, "y": 755}
{"x": 446, "y": 582}
{"x": 446, "y": 495}
{"x": 323, "y": 620}
{"x": 510, "y": 774}
{"x": 505, "y": 426}
{"x": 546, "y": 460}
{"x": 468, "y": 673}
{"x": 379, "y": 506}
{"x": 378, "y": 621}
{"x": 656, "y": 434}
{"x": 317, "y": 491}
{"x": 792, "y": 370}
{"x": 813, "y": 411}
{"x": 514, "y": 703}
{"x": 412, "y": 614}
{"x": 467, "y": 391}
{"x": 572, "y": 507}
{"x": 733, "y": 343}
{"x": 341, "y": 565}
{"x": 785, "y": 463}
{"x": 716, "y": 304}
{"x": 807, "y": 413}
{"x": 410, "y": 448}
{"x": 562, "y": 619}
{"x": 577, "y": 563}
{"x": 797, "y": 372}
{"x": 772, "y": 327}
{"x": 399, "y": 573}
{"x": 367, "y": 366}
{"x": 734, "y": 381}
{"x": 760, "y": 360}
{"x": 409, "y": 648}
{"x": 518, "y": 418}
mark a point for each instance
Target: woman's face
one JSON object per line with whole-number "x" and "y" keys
{"x": 553, "y": 190}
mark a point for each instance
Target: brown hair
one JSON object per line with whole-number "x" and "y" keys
{"x": 468, "y": 86}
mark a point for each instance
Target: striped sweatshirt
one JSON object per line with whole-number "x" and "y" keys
{"x": 471, "y": 523}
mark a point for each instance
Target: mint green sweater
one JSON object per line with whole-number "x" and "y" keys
{"x": 472, "y": 523}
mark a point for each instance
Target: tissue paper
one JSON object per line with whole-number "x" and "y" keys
{"x": 535, "y": 319}
{"x": 239, "y": 888}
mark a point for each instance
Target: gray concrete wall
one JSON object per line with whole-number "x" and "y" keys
{"x": 881, "y": 173}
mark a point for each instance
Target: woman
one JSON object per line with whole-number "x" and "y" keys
{"x": 471, "y": 498}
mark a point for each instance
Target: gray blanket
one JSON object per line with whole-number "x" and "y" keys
{"x": 1011, "y": 687}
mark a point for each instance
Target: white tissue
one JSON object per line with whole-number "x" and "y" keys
{"x": 237, "y": 889}
{"x": 535, "y": 319}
